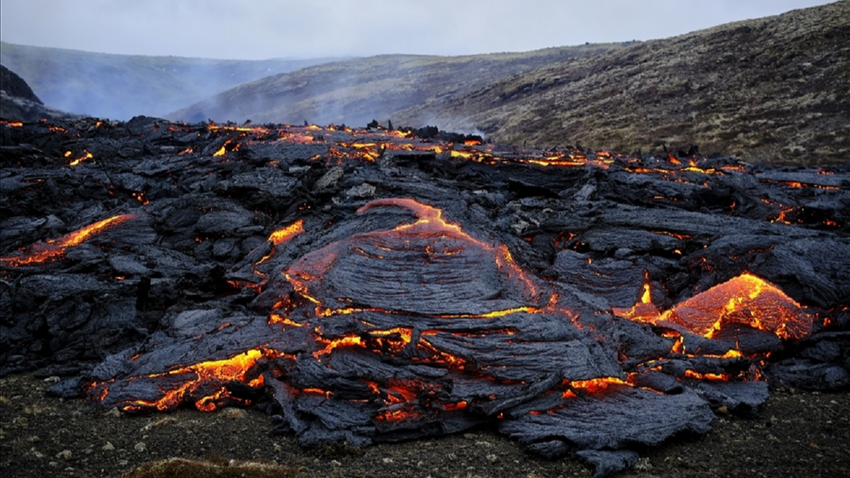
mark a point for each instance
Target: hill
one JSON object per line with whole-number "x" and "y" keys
{"x": 14, "y": 85}
{"x": 357, "y": 90}
{"x": 122, "y": 86}
{"x": 18, "y": 102}
{"x": 772, "y": 89}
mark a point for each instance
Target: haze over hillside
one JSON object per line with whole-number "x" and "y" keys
{"x": 770, "y": 89}
{"x": 358, "y": 90}
{"x": 17, "y": 100}
{"x": 123, "y": 86}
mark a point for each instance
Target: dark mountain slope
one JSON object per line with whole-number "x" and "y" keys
{"x": 14, "y": 85}
{"x": 18, "y": 102}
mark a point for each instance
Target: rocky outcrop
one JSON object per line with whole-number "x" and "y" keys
{"x": 18, "y": 102}
{"x": 14, "y": 85}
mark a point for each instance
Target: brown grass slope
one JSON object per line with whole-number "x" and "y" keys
{"x": 770, "y": 89}
{"x": 361, "y": 89}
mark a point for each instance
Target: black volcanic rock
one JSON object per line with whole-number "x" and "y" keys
{"x": 370, "y": 286}
{"x": 18, "y": 102}
{"x": 14, "y": 85}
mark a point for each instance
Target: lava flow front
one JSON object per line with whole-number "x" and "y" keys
{"x": 421, "y": 328}
{"x": 744, "y": 300}
{"x": 373, "y": 285}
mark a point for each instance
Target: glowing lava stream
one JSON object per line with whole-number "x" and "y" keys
{"x": 234, "y": 368}
{"x": 644, "y": 310}
{"x": 79, "y": 160}
{"x": 44, "y": 251}
{"x": 276, "y": 238}
{"x": 368, "y": 145}
{"x": 746, "y": 299}
{"x": 283, "y": 235}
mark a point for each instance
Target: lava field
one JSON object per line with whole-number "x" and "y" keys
{"x": 377, "y": 285}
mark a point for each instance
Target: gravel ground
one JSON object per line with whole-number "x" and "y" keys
{"x": 796, "y": 434}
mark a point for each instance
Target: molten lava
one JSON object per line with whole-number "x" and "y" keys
{"x": 53, "y": 248}
{"x": 210, "y": 378}
{"x": 594, "y": 385}
{"x": 283, "y": 235}
{"x": 747, "y": 300}
{"x": 79, "y": 160}
{"x": 644, "y": 310}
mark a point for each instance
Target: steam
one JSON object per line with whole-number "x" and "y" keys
{"x": 122, "y": 86}
{"x": 352, "y": 92}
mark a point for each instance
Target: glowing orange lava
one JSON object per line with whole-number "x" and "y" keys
{"x": 235, "y": 368}
{"x": 746, "y": 299}
{"x": 79, "y": 160}
{"x": 283, "y": 235}
{"x": 642, "y": 311}
{"x": 52, "y": 248}
{"x": 597, "y": 384}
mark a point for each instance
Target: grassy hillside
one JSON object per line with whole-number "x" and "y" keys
{"x": 771, "y": 89}
{"x": 122, "y": 86}
{"x": 357, "y": 90}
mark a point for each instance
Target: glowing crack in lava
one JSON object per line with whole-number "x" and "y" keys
{"x": 412, "y": 327}
{"x": 644, "y": 310}
{"x": 54, "y": 248}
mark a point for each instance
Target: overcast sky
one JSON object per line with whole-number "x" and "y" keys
{"x": 261, "y": 29}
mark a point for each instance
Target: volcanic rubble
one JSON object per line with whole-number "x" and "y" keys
{"x": 378, "y": 285}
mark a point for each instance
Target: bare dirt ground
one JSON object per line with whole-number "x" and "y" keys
{"x": 796, "y": 434}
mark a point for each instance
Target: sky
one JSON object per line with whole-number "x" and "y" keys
{"x": 263, "y": 29}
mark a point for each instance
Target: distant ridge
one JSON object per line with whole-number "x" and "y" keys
{"x": 775, "y": 89}
{"x": 14, "y": 85}
{"x": 358, "y": 90}
{"x": 122, "y": 86}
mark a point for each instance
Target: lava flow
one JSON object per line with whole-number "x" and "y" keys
{"x": 274, "y": 268}
{"x": 54, "y": 248}
{"x": 282, "y": 235}
{"x": 743, "y": 300}
{"x": 746, "y": 300}
{"x": 203, "y": 384}
{"x": 376, "y": 267}
{"x": 412, "y": 296}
